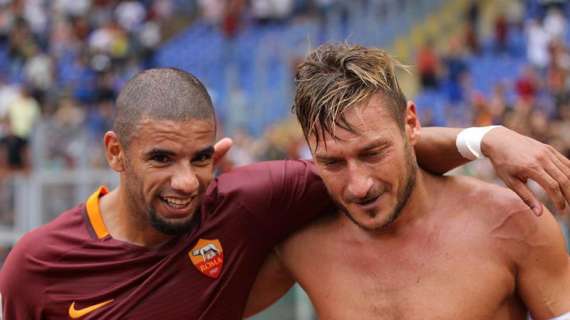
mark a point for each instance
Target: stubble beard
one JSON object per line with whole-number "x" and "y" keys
{"x": 403, "y": 196}
{"x": 172, "y": 228}
{"x": 149, "y": 214}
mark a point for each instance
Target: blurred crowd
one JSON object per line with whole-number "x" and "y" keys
{"x": 61, "y": 64}
{"x": 534, "y": 100}
{"x": 232, "y": 15}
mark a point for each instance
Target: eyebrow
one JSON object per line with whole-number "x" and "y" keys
{"x": 157, "y": 151}
{"x": 379, "y": 143}
{"x": 321, "y": 158}
{"x": 208, "y": 151}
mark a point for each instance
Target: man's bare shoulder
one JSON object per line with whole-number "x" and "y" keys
{"x": 486, "y": 197}
{"x": 507, "y": 220}
{"x": 324, "y": 231}
{"x": 324, "y": 226}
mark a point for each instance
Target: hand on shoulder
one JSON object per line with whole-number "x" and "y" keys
{"x": 518, "y": 158}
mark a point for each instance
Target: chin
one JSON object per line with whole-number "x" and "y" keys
{"x": 179, "y": 220}
{"x": 376, "y": 223}
{"x": 374, "y": 226}
{"x": 172, "y": 226}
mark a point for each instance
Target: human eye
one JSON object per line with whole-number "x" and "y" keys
{"x": 202, "y": 160}
{"x": 160, "y": 158}
{"x": 372, "y": 156}
{"x": 331, "y": 164}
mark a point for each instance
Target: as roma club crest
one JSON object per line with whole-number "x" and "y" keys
{"x": 208, "y": 257}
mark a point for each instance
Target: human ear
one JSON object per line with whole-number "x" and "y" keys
{"x": 412, "y": 123}
{"x": 114, "y": 151}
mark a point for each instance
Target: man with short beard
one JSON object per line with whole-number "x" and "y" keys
{"x": 172, "y": 242}
{"x": 406, "y": 244}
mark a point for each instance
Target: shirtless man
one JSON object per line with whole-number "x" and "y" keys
{"x": 407, "y": 244}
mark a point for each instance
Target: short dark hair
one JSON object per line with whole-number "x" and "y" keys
{"x": 161, "y": 94}
{"x": 335, "y": 77}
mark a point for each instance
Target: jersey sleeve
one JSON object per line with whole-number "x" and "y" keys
{"x": 21, "y": 287}
{"x": 278, "y": 197}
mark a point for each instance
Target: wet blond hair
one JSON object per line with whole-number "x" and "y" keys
{"x": 335, "y": 77}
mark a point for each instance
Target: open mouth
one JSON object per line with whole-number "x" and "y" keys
{"x": 176, "y": 203}
{"x": 177, "y": 206}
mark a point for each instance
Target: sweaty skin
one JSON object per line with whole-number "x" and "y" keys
{"x": 459, "y": 248}
{"x": 453, "y": 261}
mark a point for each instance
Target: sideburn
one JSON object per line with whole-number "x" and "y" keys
{"x": 412, "y": 168}
{"x": 133, "y": 186}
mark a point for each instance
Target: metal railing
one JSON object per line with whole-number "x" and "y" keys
{"x": 29, "y": 201}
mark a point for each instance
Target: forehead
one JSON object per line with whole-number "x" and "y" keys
{"x": 371, "y": 121}
{"x": 192, "y": 134}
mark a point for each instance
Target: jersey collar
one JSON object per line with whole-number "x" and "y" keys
{"x": 94, "y": 213}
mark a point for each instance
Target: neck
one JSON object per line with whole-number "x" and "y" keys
{"x": 125, "y": 225}
{"x": 419, "y": 204}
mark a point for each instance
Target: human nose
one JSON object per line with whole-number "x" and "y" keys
{"x": 185, "y": 180}
{"x": 359, "y": 182}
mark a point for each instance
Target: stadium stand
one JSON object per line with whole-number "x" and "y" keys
{"x": 63, "y": 61}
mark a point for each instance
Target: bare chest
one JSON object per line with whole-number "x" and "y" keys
{"x": 435, "y": 277}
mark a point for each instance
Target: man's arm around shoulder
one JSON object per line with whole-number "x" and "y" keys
{"x": 273, "y": 281}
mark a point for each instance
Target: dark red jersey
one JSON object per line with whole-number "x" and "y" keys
{"x": 72, "y": 268}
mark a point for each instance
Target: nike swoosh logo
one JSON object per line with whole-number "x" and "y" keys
{"x": 75, "y": 314}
